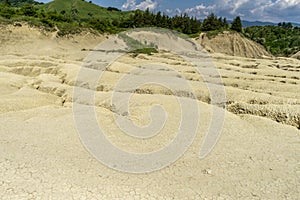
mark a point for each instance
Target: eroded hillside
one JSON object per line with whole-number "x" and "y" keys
{"x": 233, "y": 44}
{"x": 42, "y": 156}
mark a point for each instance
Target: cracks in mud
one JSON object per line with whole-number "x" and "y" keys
{"x": 279, "y": 112}
{"x": 281, "y": 115}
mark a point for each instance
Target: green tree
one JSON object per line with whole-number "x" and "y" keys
{"x": 211, "y": 23}
{"x": 195, "y": 25}
{"x": 237, "y": 24}
{"x": 289, "y": 25}
{"x": 7, "y": 3}
{"x": 28, "y": 10}
{"x": 6, "y": 11}
{"x": 225, "y": 23}
{"x": 18, "y": 3}
{"x": 158, "y": 19}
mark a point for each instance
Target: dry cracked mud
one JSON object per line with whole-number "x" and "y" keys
{"x": 42, "y": 157}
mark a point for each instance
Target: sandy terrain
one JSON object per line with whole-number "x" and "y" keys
{"x": 42, "y": 156}
{"x": 232, "y": 44}
{"x": 297, "y": 55}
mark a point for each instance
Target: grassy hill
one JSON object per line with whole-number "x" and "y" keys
{"x": 83, "y": 10}
{"x": 69, "y": 16}
{"x": 18, "y": 3}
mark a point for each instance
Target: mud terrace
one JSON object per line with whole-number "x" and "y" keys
{"x": 42, "y": 157}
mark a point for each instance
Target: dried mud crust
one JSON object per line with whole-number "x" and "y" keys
{"x": 41, "y": 155}
{"x": 280, "y": 113}
{"x": 232, "y": 44}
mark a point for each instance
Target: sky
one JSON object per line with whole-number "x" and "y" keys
{"x": 251, "y": 10}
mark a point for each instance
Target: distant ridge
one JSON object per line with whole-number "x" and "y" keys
{"x": 257, "y": 23}
{"x": 246, "y": 23}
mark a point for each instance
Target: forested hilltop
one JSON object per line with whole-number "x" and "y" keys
{"x": 73, "y": 16}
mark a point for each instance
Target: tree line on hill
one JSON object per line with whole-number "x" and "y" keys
{"x": 138, "y": 18}
{"x": 182, "y": 23}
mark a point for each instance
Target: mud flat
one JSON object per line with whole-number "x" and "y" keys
{"x": 42, "y": 157}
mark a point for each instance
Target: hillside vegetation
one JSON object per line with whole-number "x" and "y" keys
{"x": 18, "y": 3}
{"x": 83, "y": 10}
{"x": 281, "y": 40}
{"x": 73, "y": 15}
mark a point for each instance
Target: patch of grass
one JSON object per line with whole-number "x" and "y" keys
{"x": 214, "y": 33}
{"x": 148, "y": 51}
{"x": 132, "y": 43}
{"x": 194, "y": 35}
{"x": 136, "y": 47}
{"x": 68, "y": 28}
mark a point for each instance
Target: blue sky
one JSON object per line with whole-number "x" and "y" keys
{"x": 260, "y": 10}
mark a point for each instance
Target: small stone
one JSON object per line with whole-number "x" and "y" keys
{"x": 207, "y": 171}
{"x": 17, "y": 24}
{"x": 125, "y": 114}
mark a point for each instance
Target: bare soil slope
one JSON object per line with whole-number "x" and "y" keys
{"x": 297, "y": 55}
{"x": 232, "y": 44}
{"x": 42, "y": 157}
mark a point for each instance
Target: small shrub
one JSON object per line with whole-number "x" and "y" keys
{"x": 148, "y": 51}
{"x": 28, "y": 10}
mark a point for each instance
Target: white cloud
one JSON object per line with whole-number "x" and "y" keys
{"x": 147, "y": 4}
{"x": 236, "y": 5}
{"x": 129, "y": 4}
{"x": 177, "y": 11}
{"x": 268, "y": 10}
{"x": 132, "y": 5}
{"x": 262, "y": 10}
{"x": 201, "y": 10}
{"x": 280, "y": 10}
